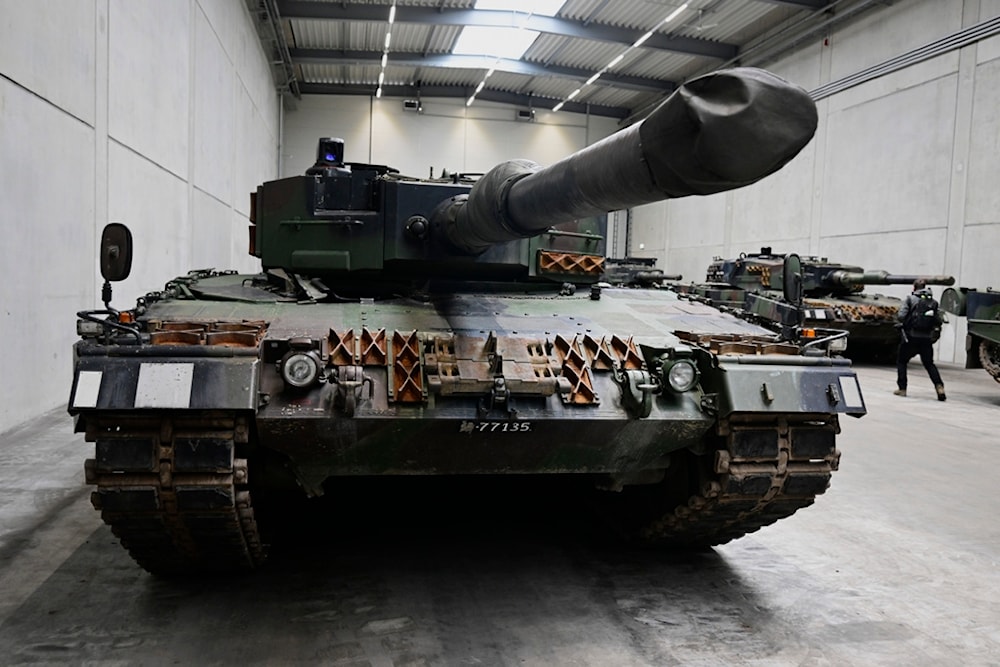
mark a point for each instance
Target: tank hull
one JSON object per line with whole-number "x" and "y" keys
{"x": 217, "y": 420}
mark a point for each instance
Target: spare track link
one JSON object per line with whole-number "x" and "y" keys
{"x": 766, "y": 472}
{"x": 173, "y": 492}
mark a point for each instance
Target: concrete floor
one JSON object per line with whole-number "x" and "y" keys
{"x": 896, "y": 565}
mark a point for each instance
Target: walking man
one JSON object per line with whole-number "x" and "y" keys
{"x": 920, "y": 326}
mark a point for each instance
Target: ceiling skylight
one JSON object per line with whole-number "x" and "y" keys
{"x": 502, "y": 42}
{"x": 540, "y": 7}
{"x": 490, "y": 41}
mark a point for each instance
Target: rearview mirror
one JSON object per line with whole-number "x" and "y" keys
{"x": 791, "y": 279}
{"x": 116, "y": 252}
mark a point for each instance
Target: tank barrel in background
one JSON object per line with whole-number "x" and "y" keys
{"x": 852, "y": 278}
{"x": 717, "y": 132}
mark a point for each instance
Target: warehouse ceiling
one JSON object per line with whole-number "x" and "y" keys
{"x": 614, "y": 58}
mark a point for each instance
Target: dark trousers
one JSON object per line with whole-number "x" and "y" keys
{"x": 907, "y": 349}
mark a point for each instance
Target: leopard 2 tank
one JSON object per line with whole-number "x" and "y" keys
{"x": 406, "y": 326}
{"x": 834, "y": 297}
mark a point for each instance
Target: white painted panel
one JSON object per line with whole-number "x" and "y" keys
{"x": 158, "y": 220}
{"x": 240, "y": 258}
{"x": 988, "y": 49}
{"x": 981, "y": 257}
{"x": 491, "y": 142}
{"x": 696, "y": 229}
{"x": 62, "y": 63}
{"x": 888, "y": 170}
{"x": 909, "y": 77}
{"x": 892, "y": 30}
{"x": 804, "y": 69}
{"x": 649, "y": 223}
{"x": 255, "y": 151}
{"x": 697, "y": 221}
{"x": 210, "y": 233}
{"x": 227, "y": 22}
{"x": 318, "y": 116}
{"x": 446, "y": 135}
{"x": 691, "y": 263}
{"x": 255, "y": 74}
{"x": 983, "y": 187}
{"x": 413, "y": 143}
{"x": 48, "y": 47}
{"x": 164, "y": 385}
{"x": 88, "y": 389}
{"x": 148, "y": 74}
{"x": 904, "y": 252}
{"x": 48, "y": 250}
{"x": 850, "y": 391}
{"x": 779, "y": 207}
{"x": 214, "y": 99}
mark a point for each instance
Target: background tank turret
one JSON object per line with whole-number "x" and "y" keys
{"x": 426, "y": 327}
{"x": 834, "y": 297}
{"x": 636, "y": 271}
{"x": 982, "y": 339}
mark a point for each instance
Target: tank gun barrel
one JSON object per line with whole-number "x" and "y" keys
{"x": 842, "y": 278}
{"x": 717, "y": 132}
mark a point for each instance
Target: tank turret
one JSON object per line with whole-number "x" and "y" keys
{"x": 820, "y": 277}
{"x": 365, "y": 224}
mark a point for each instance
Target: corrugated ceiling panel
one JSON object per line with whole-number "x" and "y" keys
{"x": 734, "y": 22}
{"x": 607, "y": 96}
{"x": 401, "y": 75}
{"x": 442, "y": 38}
{"x": 542, "y": 87}
{"x": 448, "y": 76}
{"x": 654, "y": 64}
{"x": 316, "y": 34}
{"x": 445, "y": 4}
{"x": 341, "y": 74}
{"x": 370, "y": 36}
{"x": 583, "y": 54}
{"x": 634, "y": 14}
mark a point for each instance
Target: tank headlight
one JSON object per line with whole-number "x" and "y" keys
{"x": 300, "y": 369}
{"x": 838, "y": 344}
{"x": 682, "y": 375}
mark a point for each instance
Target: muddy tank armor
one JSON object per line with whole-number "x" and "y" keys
{"x": 408, "y": 326}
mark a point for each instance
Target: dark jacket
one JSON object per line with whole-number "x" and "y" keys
{"x": 913, "y": 301}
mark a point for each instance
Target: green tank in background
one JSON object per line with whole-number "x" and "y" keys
{"x": 982, "y": 312}
{"x": 834, "y": 297}
{"x": 408, "y": 326}
{"x": 636, "y": 272}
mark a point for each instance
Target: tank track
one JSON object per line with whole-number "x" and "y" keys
{"x": 173, "y": 492}
{"x": 765, "y": 472}
{"x": 989, "y": 358}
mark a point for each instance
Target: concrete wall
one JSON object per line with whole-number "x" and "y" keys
{"x": 446, "y": 135}
{"x": 160, "y": 115}
{"x": 901, "y": 175}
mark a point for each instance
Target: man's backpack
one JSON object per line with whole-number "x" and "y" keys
{"x": 924, "y": 316}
